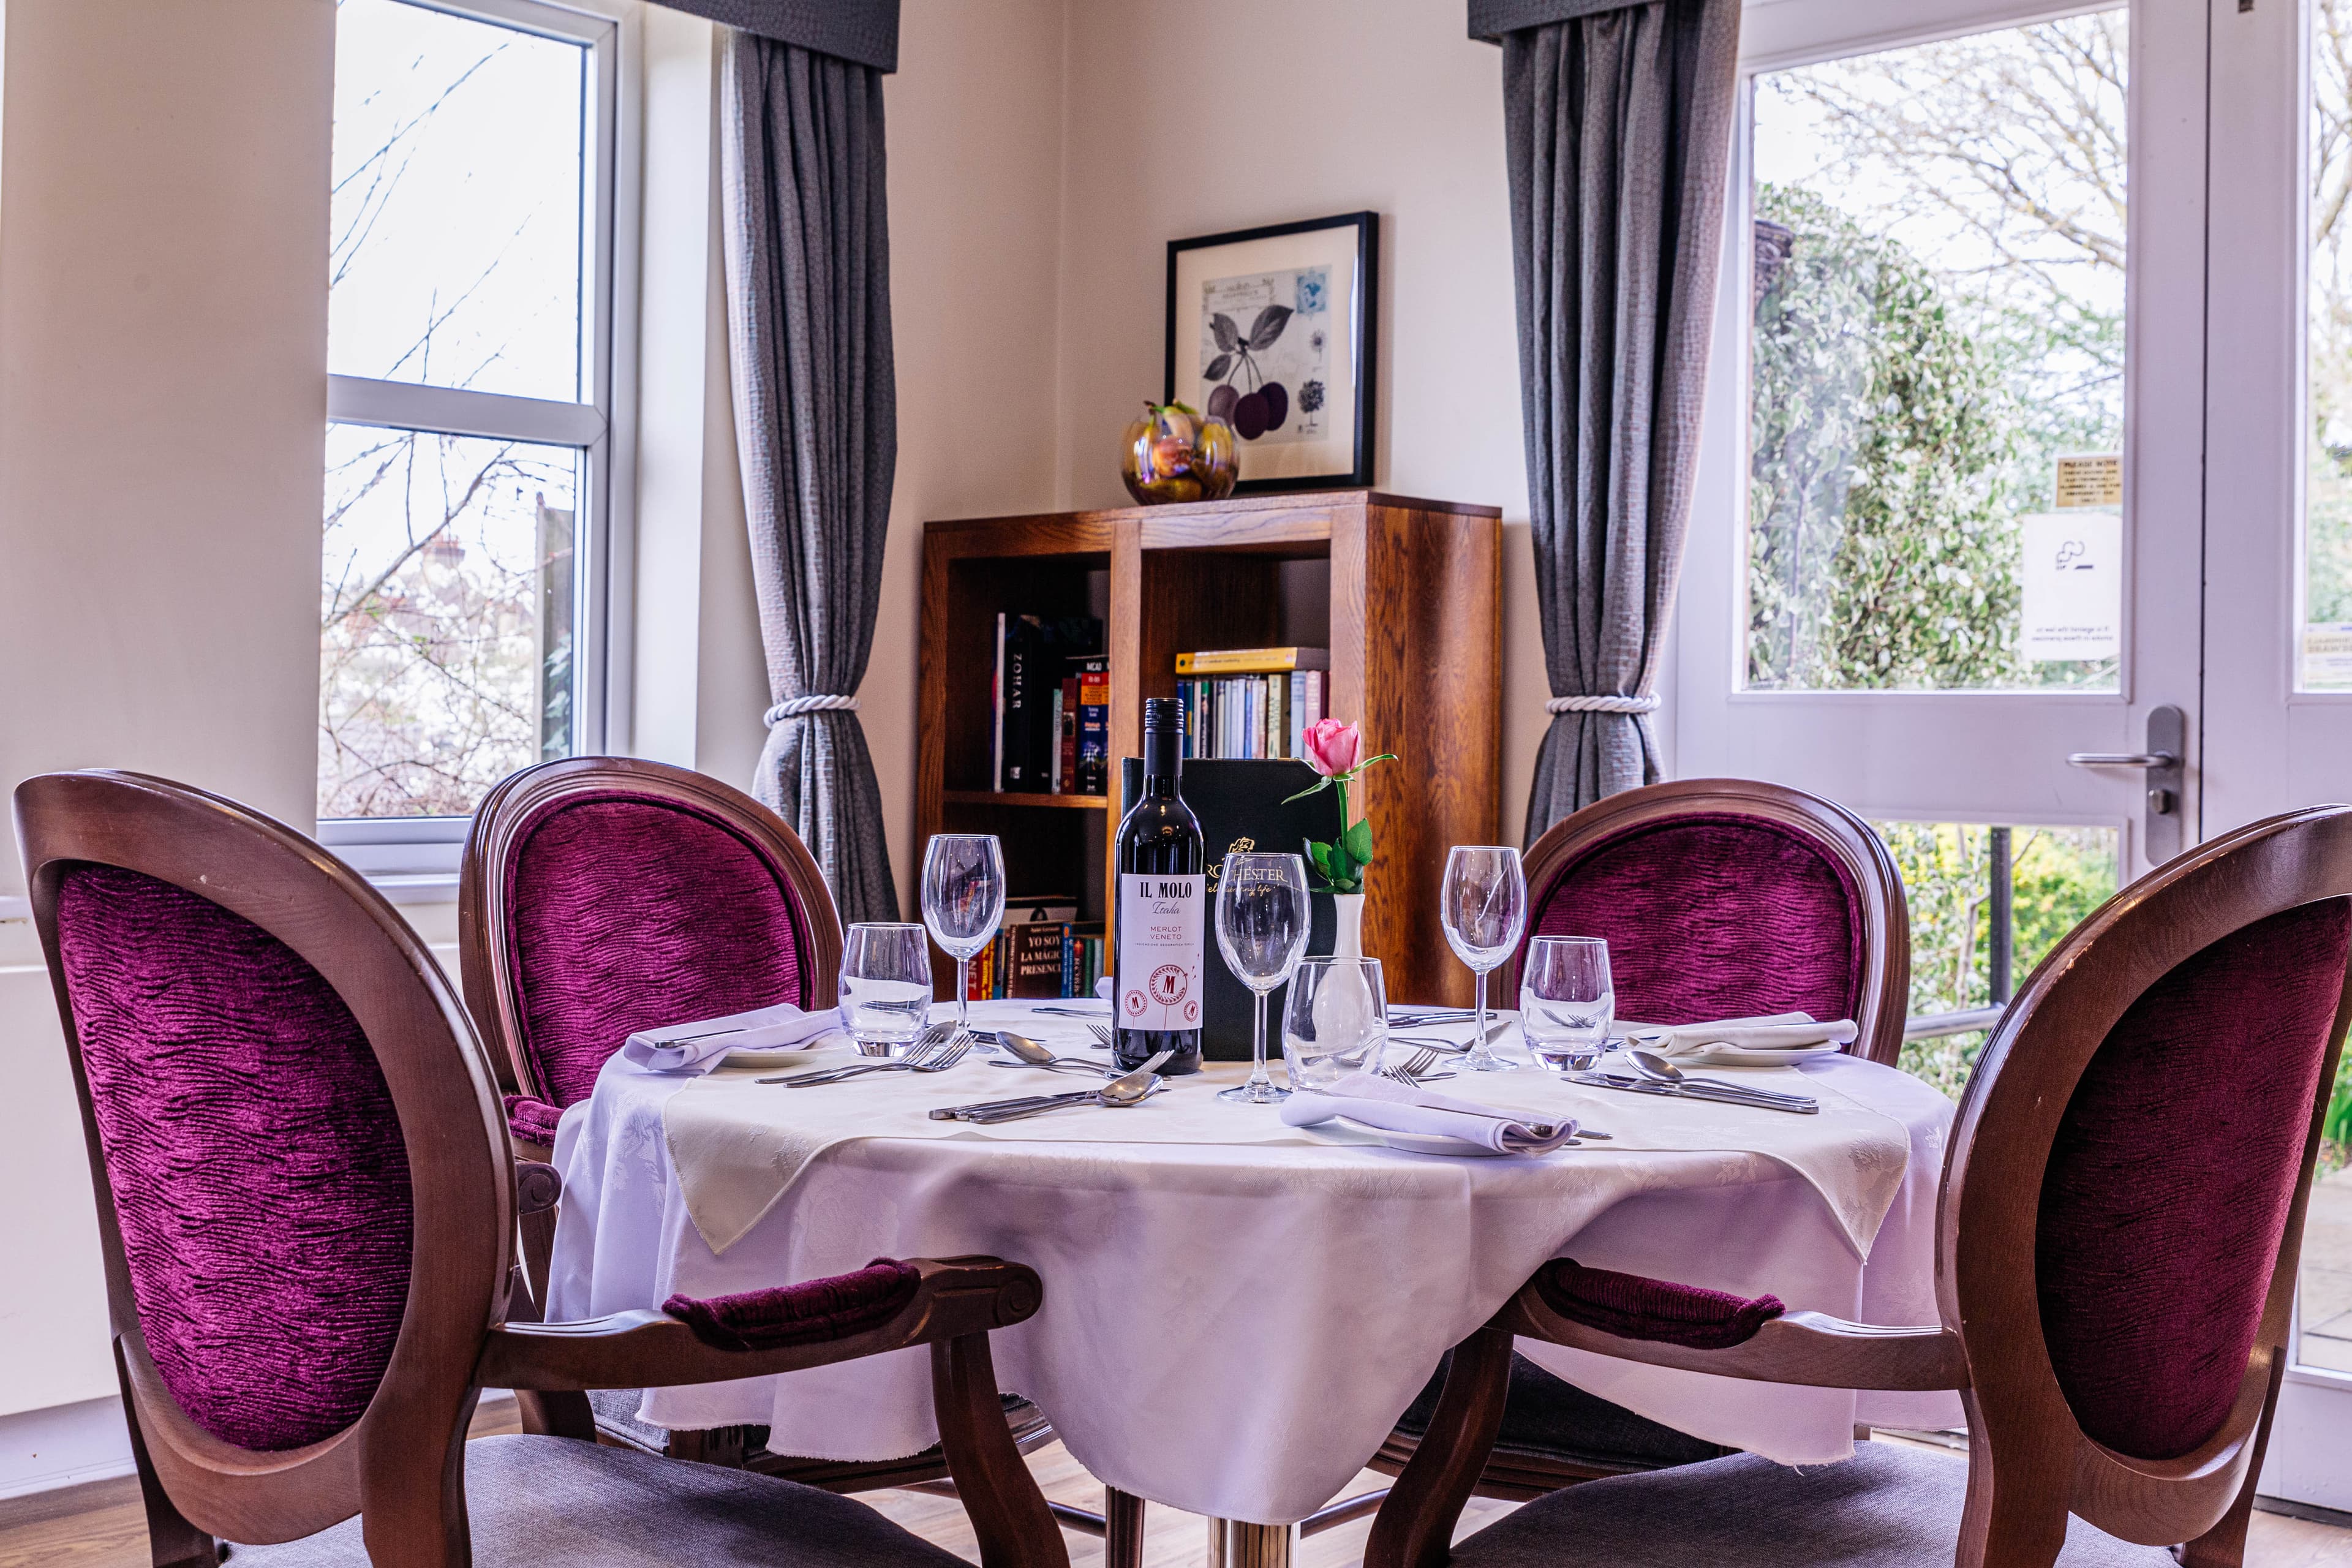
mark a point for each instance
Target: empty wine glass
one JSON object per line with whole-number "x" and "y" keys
{"x": 963, "y": 902}
{"x": 886, "y": 985}
{"x": 1336, "y": 1021}
{"x": 1483, "y": 906}
{"x": 1262, "y": 917}
{"x": 1566, "y": 1001}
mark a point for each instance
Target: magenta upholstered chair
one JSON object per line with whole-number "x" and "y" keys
{"x": 306, "y": 1205}
{"x": 1728, "y": 898}
{"x": 2120, "y": 1220}
{"x": 604, "y": 895}
{"x": 1719, "y": 899}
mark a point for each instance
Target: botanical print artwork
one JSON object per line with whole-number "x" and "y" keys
{"x": 1266, "y": 345}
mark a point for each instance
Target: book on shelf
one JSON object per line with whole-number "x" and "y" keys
{"x": 1251, "y": 717}
{"x": 1039, "y": 959}
{"x": 1033, "y": 656}
{"x": 1090, "y": 755}
{"x": 1253, "y": 660}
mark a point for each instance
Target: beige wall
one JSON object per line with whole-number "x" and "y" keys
{"x": 162, "y": 403}
{"x": 1226, "y": 114}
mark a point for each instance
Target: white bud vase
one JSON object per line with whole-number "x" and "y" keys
{"x": 1343, "y": 1009}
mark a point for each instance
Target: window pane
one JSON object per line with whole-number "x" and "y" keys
{"x": 1939, "y": 295}
{"x": 445, "y": 639}
{"x": 457, "y": 203}
{"x": 2056, "y": 876}
{"x": 2326, "y": 661}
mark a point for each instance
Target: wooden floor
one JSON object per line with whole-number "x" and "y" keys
{"x": 99, "y": 1525}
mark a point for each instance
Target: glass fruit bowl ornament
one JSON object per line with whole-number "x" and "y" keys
{"x": 1177, "y": 454}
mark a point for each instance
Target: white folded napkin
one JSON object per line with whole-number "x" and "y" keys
{"x": 699, "y": 1046}
{"x": 1777, "y": 1032}
{"x": 1384, "y": 1104}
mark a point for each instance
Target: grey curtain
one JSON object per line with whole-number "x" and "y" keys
{"x": 1619, "y": 129}
{"x": 808, "y": 316}
{"x": 865, "y": 31}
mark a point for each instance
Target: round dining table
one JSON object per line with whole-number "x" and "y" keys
{"x": 1236, "y": 1310}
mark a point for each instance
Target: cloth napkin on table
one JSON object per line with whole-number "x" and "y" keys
{"x": 1776, "y": 1032}
{"x": 701, "y": 1045}
{"x": 1377, "y": 1101}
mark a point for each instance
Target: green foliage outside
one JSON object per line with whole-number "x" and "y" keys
{"x": 2058, "y": 875}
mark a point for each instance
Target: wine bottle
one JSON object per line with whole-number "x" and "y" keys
{"x": 1162, "y": 909}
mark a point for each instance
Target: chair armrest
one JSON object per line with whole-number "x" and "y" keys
{"x": 1807, "y": 1348}
{"x": 539, "y": 1187}
{"x": 954, "y": 1297}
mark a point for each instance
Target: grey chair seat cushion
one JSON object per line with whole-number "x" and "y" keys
{"x": 1887, "y": 1507}
{"x": 1555, "y": 1419}
{"x": 535, "y": 1501}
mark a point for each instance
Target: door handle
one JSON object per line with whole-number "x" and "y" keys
{"x": 2123, "y": 759}
{"x": 2168, "y": 746}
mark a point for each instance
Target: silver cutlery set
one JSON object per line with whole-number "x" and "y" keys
{"x": 942, "y": 1046}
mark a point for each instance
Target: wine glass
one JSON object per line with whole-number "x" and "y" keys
{"x": 1262, "y": 917}
{"x": 1566, "y": 1001}
{"x": 963, "y": 902}
{"x": 1483, "y": 906}
{"x": 1336, "y": 1021}
{"x": 886, "y": 985}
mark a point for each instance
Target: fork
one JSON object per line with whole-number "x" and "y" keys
{"x": 1408, "y": 1073}
{"x": 934, "y": 1057}
{"x": 1101, "y": 1033}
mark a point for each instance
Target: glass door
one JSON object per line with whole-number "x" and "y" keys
{"x": 1945, "y": 567}
{"x": 2278, "y": 640}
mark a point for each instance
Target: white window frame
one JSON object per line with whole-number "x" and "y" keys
{"x": 418, "y": 856}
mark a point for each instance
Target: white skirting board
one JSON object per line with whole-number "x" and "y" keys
{"x": 66, "y": 1445}
{"x": 41, "y": 1450}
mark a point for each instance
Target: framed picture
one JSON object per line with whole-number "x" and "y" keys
{"x": 1273, "y": 329}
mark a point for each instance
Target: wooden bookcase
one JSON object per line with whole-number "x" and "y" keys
{"x": 1412, "y": 616}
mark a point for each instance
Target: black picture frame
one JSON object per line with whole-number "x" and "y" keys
{"x": 1361, "y": 314}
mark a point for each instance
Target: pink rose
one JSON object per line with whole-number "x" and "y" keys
{"x": 1334, "y": 748}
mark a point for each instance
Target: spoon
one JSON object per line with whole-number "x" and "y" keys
{"x": 1118, "y": 1094}
{"x": 1657, "y": 1069}
{"x": 1034, "y": 1055}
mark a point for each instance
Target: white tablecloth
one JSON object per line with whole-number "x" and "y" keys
{"x": 1234, "y": 1329}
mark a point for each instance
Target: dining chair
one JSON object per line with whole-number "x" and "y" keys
{"x": 604, "y": 895}
{"x": 2118, "y": 1227}
{"x": 1719, "y": 899}
{"x": 307, "y": 1206}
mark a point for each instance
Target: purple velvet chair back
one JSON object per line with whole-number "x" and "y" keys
{"x": 1723, "y": 898}
{"x": 604, "y": 896}
{"x": 2126, "y": 1180}
{"x": 258, "y": 1178}
{"x": 2168, "y": 1190}
{"x": 290, "y": 1126}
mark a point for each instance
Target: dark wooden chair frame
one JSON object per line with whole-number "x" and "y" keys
{"x": 1885, "y": 918}
{"x": 2030, "y": 1463}
{"x": 401, "y": 1464}
{"x": 1522, "y": 1475}
{"x": 485, "y": 962}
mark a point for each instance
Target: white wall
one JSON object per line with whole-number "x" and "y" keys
{"x": 1227, "y": 114}
{"x": 162, "y": 405}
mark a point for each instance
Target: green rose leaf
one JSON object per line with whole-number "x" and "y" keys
{"x": 1359, "y": 840}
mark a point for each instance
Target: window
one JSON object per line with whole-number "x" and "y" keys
{"x": 467, "y": 503}
{"x": 1936, "y": 365}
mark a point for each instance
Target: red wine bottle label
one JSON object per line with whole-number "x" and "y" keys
{"x": 1162, "y": 922}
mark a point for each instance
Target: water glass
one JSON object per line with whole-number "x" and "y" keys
{"x": 1483, "y": 904}
{"x": 963, "y": 902}
{"x": 1336, "y": 1022}
{"x": 886, "y": 985}
{"x": 1262, "y": 920}
{"x": 1566, "y": 1001}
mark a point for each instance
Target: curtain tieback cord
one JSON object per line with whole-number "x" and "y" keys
{"x": 1606, "y": 704}
{"x": 796, "y": 707}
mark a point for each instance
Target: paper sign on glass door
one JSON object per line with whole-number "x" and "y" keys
{"x": 2073, "y": 586}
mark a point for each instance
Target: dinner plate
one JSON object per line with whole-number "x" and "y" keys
{"x": 1426, "y": 1142}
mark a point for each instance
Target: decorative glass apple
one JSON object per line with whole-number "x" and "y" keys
{"x": 1177, "y": 454}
